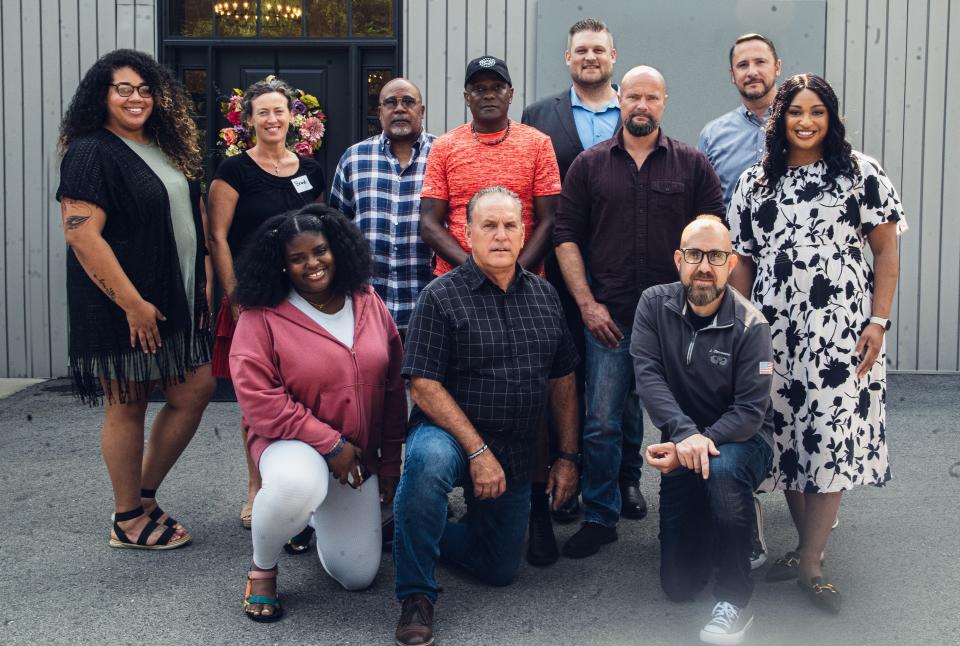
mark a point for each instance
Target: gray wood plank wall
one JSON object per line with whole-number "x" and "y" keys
{"x": 46, "y": 46}
{"x": 889, "y": 61}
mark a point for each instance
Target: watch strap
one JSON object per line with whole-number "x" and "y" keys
{"x": 882, "y": 322}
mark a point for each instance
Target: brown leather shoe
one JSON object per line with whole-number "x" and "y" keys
{"x": 415, "y": 627}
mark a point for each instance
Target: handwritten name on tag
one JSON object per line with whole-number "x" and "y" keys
{"x": 302, "y": 184}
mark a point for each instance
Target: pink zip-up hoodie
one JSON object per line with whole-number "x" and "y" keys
{"x": 295, "y": 381}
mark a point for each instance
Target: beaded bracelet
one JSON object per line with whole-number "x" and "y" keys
{"x": 477, "y": 452}
{"x": 336, "y": 449}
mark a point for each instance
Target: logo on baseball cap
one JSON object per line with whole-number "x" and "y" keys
{"x": 487, "y": 64}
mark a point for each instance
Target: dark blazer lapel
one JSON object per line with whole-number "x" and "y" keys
{"x": 564, "y": 112}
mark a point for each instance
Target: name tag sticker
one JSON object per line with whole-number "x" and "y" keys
{"x": 302, "y": 184}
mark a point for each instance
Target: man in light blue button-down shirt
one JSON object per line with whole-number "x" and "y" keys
{"x": 735, "y": 141}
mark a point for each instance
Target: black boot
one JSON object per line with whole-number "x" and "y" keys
{"x": 632, "y": 504}
{"x": 542, "y": 544}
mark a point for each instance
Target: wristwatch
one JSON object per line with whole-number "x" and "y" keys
{"x": 882, "y": 322}
{"x": 572, "y": 457}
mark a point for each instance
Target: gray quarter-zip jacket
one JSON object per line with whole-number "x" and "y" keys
{"x": 714, "y": 381}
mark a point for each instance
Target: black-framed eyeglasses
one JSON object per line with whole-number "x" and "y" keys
{"x": 126, "y": 89}
{"x": 408, "y": 102}
{"x": 715, "y": 257}
{"x": 477, "y": 92}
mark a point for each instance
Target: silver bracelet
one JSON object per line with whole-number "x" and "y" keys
{"x": 477, "y": 452}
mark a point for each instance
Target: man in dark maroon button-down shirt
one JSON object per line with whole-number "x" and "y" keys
{"x": 623, "y": 207}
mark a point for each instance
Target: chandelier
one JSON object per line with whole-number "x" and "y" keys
{"x": 246, "y": 10}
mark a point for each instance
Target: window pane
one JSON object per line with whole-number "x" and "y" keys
{"x": 373, "y": 18}
{"x": 326, "y": 18}
{"x": 237, "y": 18}
{"x": 281, "y": 19}
{"x": 196, "y": 83}
{"x": 192, "y": 18}
{"x": 376, "y": 79}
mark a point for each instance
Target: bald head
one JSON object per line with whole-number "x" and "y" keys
{"x": 644, "y": 73}
{"x": 403, "y": 84}
{"x": 708, "y": 232}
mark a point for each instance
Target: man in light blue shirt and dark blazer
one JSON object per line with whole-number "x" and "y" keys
{"x": 735, "y": 141}
{"x": 576, "y": 119}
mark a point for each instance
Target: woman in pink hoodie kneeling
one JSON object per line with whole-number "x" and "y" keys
{"x": 315, "y": 363}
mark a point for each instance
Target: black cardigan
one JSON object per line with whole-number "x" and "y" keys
{"x": 101, "y": 169}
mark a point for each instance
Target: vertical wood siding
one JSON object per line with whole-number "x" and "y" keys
{"x": 889, "y": 61}
{"x": 46, "y": 46}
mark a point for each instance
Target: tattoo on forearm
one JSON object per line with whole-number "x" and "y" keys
{"x": 80, "y": 212}
{"x": 75, "y": 221}
{"x": 106, "y": 288}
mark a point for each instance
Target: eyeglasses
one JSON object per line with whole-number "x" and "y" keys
{"x": 715, "y": 257}
{"x": 126, "y": 89}
{"x": 478, "y": 92}
{"x": 407, "y": 102}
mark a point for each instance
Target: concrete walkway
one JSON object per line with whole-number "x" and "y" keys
{"x": 894, "y": 556}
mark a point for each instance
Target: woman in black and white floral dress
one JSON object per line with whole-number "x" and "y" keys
{"x": 801, "y": 220}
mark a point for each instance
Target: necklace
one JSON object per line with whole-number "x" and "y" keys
{"x": 319, "y": 306}
{"x": 476, "y": 135}
{"x": 276, "y": 164}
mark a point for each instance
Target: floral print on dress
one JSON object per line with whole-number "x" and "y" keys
{"x": 815, "y": 287}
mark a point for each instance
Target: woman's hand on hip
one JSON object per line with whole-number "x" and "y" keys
{"x": 142, "y": 319}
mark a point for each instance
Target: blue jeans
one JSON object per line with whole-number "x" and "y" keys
{"x": 487, "y": 544}
{"x": 709, "y": 523}
{"x": 613, "y": 431}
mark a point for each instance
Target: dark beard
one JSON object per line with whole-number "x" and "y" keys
{"x": 753, "y": 96}
{"x": 700, "y": 296}
{"x": 641, "y": 129}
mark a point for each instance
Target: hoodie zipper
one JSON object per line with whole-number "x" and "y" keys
{"x": 693, "y": 341}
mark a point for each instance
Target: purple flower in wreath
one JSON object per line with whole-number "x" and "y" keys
{"x": 298, "y": 107}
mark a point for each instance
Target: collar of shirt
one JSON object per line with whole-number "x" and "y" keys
{"x": 476, "y": 278}
{"x": 662, "y": 140}
{"x": 749, "y": 115}
{"x": 613, "y": 104}
{"x": 387, "y": 149}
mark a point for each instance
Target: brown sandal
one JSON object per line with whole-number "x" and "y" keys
{"x": 250, "y": 599}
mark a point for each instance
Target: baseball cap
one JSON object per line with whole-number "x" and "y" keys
{"x": 487, "y": 64}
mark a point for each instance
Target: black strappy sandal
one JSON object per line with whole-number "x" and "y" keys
{"x": 300, "y": 543}
{"x": 165, "y": 542}
{"x": 157, "y": 512}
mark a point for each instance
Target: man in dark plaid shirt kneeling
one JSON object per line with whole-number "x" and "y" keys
{"x": 487, "y": 349}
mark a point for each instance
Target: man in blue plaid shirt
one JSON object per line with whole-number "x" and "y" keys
{"x": 377, "y": 184}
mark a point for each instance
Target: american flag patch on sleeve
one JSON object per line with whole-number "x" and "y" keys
{"x": 766, "y": 367}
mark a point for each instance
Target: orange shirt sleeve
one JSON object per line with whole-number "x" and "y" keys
{"x": 435, "y": 177}
{"x": 547, "y": 179}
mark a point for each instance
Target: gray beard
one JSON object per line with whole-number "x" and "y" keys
{"x": 700, "y": 296}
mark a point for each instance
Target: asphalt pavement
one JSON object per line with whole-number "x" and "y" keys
{"x": 894, "y": 556}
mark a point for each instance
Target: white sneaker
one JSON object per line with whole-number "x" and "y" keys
{"x": 729, "y": 624}
{"x": 758, "y": 551}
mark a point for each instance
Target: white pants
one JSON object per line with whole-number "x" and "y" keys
{"x": 298, "y": 489}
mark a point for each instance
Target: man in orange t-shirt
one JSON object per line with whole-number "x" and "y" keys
{"x": 491, "y": 150}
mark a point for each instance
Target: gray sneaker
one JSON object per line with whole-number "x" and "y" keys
{"x": 729, "y": 624}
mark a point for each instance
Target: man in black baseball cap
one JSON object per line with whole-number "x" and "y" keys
{"x": 487, "y": 64}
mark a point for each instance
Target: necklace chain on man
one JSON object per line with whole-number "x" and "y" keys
{"x": 476, "y": 135}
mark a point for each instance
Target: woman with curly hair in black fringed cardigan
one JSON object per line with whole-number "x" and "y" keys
{"x": 137, "y": 278}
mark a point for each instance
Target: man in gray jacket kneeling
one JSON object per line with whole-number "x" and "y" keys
{"x": 704, "y": 363}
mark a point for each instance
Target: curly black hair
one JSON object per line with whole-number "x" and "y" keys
{"x": 170, "y": 122}
{"x": 261, "y": 281}
{"x": 837, "y": 151}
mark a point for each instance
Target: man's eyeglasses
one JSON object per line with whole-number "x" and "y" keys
{"x": 126, "y": 89}
{"x": 715, "y": 257}
{"x": 407, "y": 102}
{"x": 479, "y": 91}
